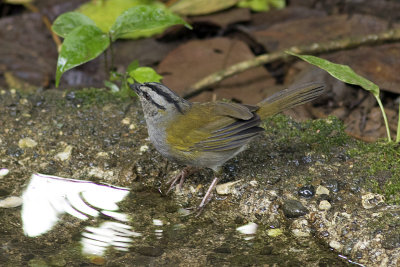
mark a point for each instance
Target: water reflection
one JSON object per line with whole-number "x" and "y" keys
{"x": 248, "y": 230}
{"x": 95, "y": 240}
{"x": 47, "y": 198}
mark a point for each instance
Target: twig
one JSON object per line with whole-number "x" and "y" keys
{"x": 315, "y": 48}
{"x": 47, "y": 23}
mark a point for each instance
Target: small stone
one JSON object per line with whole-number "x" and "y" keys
{"x": 11, "y": 202}
{"x": 371, "y": 200}
{"x": 391, "y": 241}
{"x": 144, "y": 148}
{"x": 301, "y": 228}
{"x": 332, "y": 185}
{"x": 322, "y": 190}
{"x": 101, "y": 154}
{"x": 65, "y": 155}
{"x": 226, "y": 188}
{"x": 4, "y": 172}
{"x": 27, "y": 143}
{"x": 274, "y": 232}
{"x": 324, "y": 205}
{"x": 253, "y": 183}
{"x": 97, "y": 260}
{"x": 307, "y": 191}
{"x": 293, "y": 209}
{"x": 126, "y": 121}
{"x": 335, "y": 245}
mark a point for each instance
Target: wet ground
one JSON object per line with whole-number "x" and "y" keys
{"x": 303, "y": 184}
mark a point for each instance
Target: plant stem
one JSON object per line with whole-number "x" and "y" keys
{"x": 312, "y": 49}
{"x": 105, "y": 62}
{"x": 384, "y": 118}
{"x": 398, "y": 128}
{"x": 111, "y": 54}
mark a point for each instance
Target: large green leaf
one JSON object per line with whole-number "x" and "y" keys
{"x": 347, "y": 75}
{"x": 69, "y": 21}
{"x": 201, "y": 7}
{"x": 262, "y": 5}
{"x": 105, "y": 12}
{"x": 145, "y": 74}
{"x": 82, "y": 44}
{"x": 144, "y": 18}
{"x": 340, "y": 72}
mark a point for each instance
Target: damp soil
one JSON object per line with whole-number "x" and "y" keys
{"x": 281, "y": 181}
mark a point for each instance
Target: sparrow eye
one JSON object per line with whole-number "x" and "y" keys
{"x": 146, "y": 95}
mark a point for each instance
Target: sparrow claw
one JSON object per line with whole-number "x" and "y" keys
{"x": 207, "y": 197}
{"x": 180, "y": 177}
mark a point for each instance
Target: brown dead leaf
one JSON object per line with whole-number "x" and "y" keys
{"x": 226, "y": 17}
{"x": 317, "y": 29}
{"x": 194, "y": 60}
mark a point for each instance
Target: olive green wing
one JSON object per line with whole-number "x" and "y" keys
{"x": 216, "y": 126}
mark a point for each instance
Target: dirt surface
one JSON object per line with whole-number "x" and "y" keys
{"x": 309, "y": 182}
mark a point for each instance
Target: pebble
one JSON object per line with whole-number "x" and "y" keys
{"x": 322, "y": 190}
{"x": 333, "y": 185}
{"x": 226, "y": 188}
{"x": 11, "y": 202}
{"x": 65, "y": 155}
{"x": 126, "y": 121}
{"x": 274, "y": 232}
{"x": 371, "y": 200}
{"x": 144, "y": 148}
{"x": 307, "y": 191}
{"x": 4, "y": 172}
{"x": 335, "y": 245}
{"x": 27, "y": 143}
{"x": 324, "y": 205}
{"x": 293, "y": 209}
{"x": 301, "y": 228}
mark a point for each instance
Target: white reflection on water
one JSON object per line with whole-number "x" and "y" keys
{"x": 248, "y": 229}
{"x": 158, "y": 232}
{"x": 47, "y": 198}
{"x": 95, "y": 240}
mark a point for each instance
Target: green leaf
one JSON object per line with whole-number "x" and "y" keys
{"x": 81, "y": 45}
{"x": 144, "y": 18}
{"x": 134, "y": 65}
{"x": 69, "y": 21}
{"x": 145, "y": 74}
{"x": 262, "y": 5}
{"x": 105, "y": 12}
{"x": 200, "y": 7}
{"x": 113, "y": 87}
{"x": 340, "y": 72}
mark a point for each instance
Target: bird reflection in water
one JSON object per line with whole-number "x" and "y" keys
{"x": 47, "y": 198}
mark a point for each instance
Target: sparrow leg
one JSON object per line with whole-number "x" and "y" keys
{"x": 207, "y": 196}
{"x": 180, "y": 177}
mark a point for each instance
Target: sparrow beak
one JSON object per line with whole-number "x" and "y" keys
{"x": 135, "y": 87}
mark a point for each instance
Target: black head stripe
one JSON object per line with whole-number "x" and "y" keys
{"x": 166, "y": 95}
